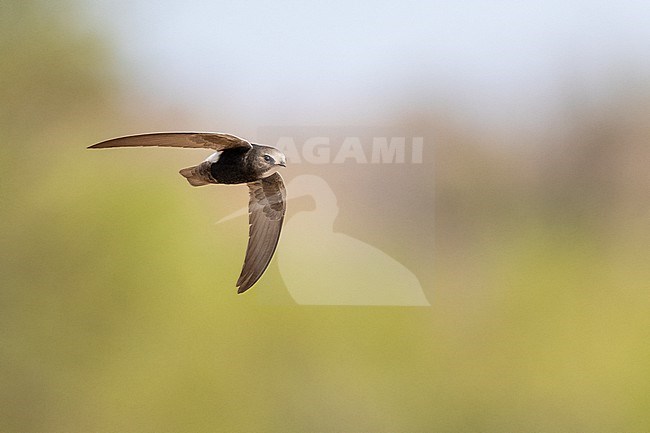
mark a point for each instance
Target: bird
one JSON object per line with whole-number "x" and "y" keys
{"x": 235, "y": 161}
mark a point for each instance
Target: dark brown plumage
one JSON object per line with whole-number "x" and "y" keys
{"x": 235, "y": 161}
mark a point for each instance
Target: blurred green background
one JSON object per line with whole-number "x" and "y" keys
{"x": 117, "y": 306}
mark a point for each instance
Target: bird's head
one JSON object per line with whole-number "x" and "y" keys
{"x": 268, "y": 159}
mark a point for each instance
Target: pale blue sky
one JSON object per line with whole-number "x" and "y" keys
{"x": 346, "y": 62}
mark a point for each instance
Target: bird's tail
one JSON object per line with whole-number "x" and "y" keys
{"x": 194, "y": 175}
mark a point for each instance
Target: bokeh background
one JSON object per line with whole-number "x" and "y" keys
{"x": 527, "y": 224}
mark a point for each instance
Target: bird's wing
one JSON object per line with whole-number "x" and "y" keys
{"x": 265, "y": 215}
{"x": 198, "y": 140}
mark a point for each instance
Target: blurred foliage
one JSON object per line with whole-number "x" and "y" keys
{"x": 117, "y": 305}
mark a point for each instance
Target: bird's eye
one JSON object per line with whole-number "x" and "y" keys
{"x": 267, "y": 158}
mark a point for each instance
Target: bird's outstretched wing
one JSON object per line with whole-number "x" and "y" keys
{"x": 266, "y": 210}
{"x": 198, "y": 140}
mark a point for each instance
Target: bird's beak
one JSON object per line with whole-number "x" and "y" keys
{"x": 282, "y": 164}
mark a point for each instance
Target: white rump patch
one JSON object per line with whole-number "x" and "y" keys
{"x": 214, "y": 157}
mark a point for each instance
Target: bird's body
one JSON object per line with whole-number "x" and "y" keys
{"x": 235, "y": 161}
{"x": 233, "y": 166}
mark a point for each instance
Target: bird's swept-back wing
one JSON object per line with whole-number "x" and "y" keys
{"x": 198, "y": 140}
{"x": 266, "y": 210}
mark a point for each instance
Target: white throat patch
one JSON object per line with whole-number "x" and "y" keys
{"x": 270, "y": 171}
